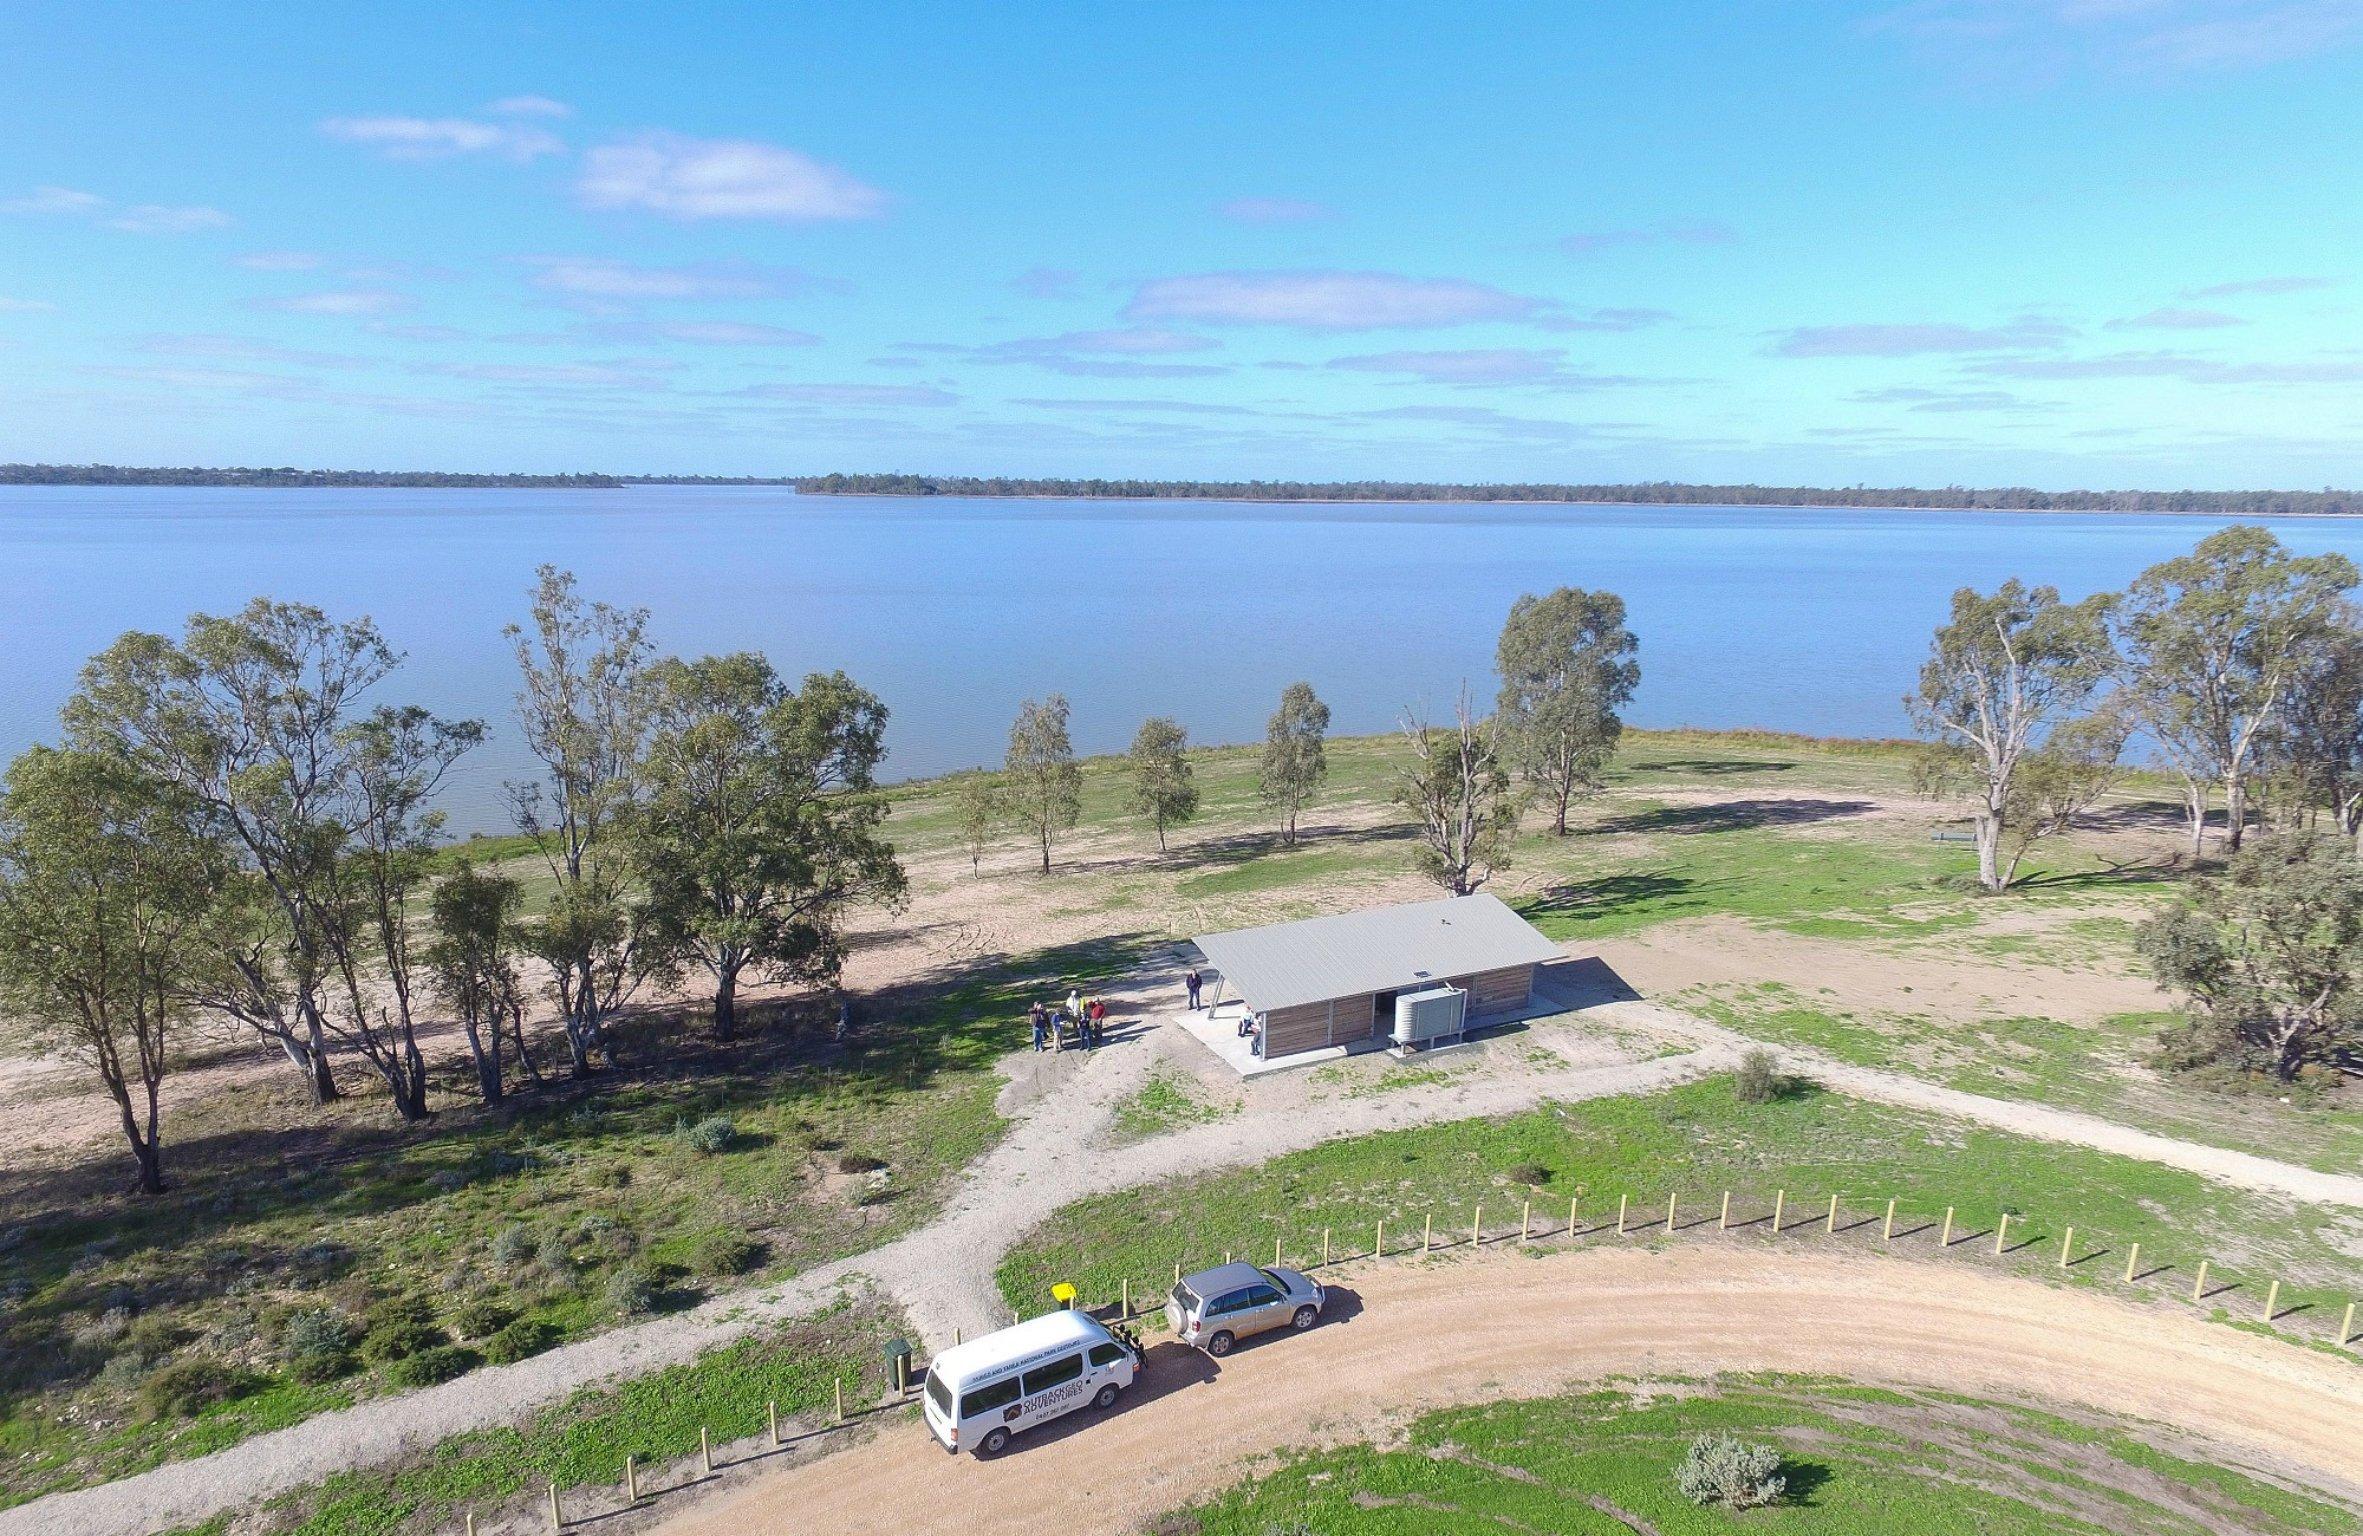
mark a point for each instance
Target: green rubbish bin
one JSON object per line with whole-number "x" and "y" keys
{"x": 898, "y": 1363}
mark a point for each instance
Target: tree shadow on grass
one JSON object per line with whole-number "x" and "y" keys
{"x": 1732, "y": 816}
{"x": 1711, "y": 765}
{"x": 1587, "y": 901}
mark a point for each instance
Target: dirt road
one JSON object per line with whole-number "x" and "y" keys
{"x": 1415, "y": 1336}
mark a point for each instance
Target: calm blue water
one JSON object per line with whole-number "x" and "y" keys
{"x": 955, "y": 610}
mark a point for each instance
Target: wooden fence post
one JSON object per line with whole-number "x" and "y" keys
{"x": 1780, "y": 1203}
{"x": 1427, "y": 1232}
{"x": 2067, "y": 1246}
{"x": 1947, "y": 1240}
{"x": 1620, "y": 1214}
{"x": 1124, "y": 1299}
{"x": 1670, "y": 1199}
{"x": 2002, "y": 1232}
{"x": 631, "y": 1481}
{"x": 1571, "y": 1227}
{"x": 2132, "y": 1262}
{"x": 771, "y": 1413}
{"x": 705, "y": 1452}
{"x": 839, "y": 1383}
{"x": 1378, "y": 1249}
{"x": 471, "y": 1523}
{"x": 2346, "y": 1326}
{"x": 2199, "y": 1285}
{"x": 1723, "y": 1222}
{"x": 2273, "y": 1301}
{"x": 1832, "y": 1228}
{"x": 1477, "y": 1227}
{"x": 1177, "y": 1272}
{"x": 1275, "y": 1250}
{"x": 1325, "y": 1247}
{"x": 557, "y": 1520}
{"x": 1526, "y": 1220}
{"x": 1887, "y": 1233}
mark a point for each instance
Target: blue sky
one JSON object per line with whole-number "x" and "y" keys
{"x": 2050, "y": 242}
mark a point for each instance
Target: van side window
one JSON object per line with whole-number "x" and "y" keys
{"x": 985, "y": 1399}
{"x": 1105, "y": 1354}
{"x": 1056, "y": 1374}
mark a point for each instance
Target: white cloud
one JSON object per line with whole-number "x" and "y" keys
{"x": 604, "y": 277}
{"x": 2044, "y": 40}
{"x": 341, "y": 301}
{"x": 1912, "y": 340}
{"x": 2262, "y": 286}
{"x": 1677, "y": 232}
{"x": 854, "y": 394}
{"x": 443, "y": 138}
{"x": 43, "y": 200}
{"x": 529, "y": 106}
{"x": 11, "y": 306}
{"x": 2171, "y": 319}
{"x": 686, "y": 178}
{"x": 1541, "y": 367}
{"x": 137, "y": 219}
{"x": 1271, "y": 210}
{"x": 279, "y": 261}
{"x": 1326, "y": 300}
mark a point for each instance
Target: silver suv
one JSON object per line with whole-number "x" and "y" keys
{"x": 1216, "y": 1308}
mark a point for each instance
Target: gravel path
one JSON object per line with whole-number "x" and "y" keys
{"x": 1420, "y": 1335}
{"x": 1052, "y": 1155}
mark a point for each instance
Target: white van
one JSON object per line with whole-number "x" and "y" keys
{"x": 982, "y": 1392}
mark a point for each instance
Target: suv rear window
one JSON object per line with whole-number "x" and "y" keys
{"x": 1187, "y": 1297}
{"x": 985, "y": 1399}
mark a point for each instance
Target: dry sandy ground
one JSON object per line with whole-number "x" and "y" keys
{"x": 1415, "y": 1336}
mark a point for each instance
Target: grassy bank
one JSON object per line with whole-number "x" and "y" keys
{"x": 1696, "y": 1142}
{"x": 1858, "y": 1461}
{"x": 582, "y": 1442}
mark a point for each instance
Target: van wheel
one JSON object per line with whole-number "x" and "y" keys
{"x": 1305, "y": 1318}
{"x": 995, "y": 1442}
{"x": 1106, "y": 1397}
{"x": 1219, "y": 1345}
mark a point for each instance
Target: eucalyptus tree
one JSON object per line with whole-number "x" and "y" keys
{"x": 1458, "y": 783}
{"x": 471, "y": 956}
{"x": 106, "y": 899}
{"x": 582, "y": 710}
{"x": 2316, "y": 744}
{"x": 1041, "y": 784}
{"x": 2269, "y": 954}
{"x": 1162, "y": 788}
{"x": 2212, "y": 643}
{"x": 1567, "y": 666}
{"x": 757, "y": 829}
{"x": 255, "y": 721}
{"x": 2003, "y": 673}
{"x": 976, "y": 800}
{"x": 1296, "y": 758}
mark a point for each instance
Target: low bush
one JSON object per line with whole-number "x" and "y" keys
{"x": 188, "y": 1387}
{"x": 526, "y": 1336}
{"x": 482, "y": 1318}
{"x": 553, "y": 1256}
{"x": 430, "y": 1366}
{"x": 859, "y": 1162}
{"x": 512, "y": 1247}
{"x": 713, "y": 1134}
{"x": 1724, "y": 1469}
{"x": 629, "y": 1293}
{"x": 1528, "y": 1174}
{"x": 1757, "y": 1080}
{"x": 615, "y": 1175}
{"x": 399, "y": 1327}
{"x": 318, "y": 1344}
{"x": 724, "y": 1253}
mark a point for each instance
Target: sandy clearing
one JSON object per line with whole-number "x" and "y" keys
{"x": 1420, "y": 1336}
{"x": 1855, "y": 977}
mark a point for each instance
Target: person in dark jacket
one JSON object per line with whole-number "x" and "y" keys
{"x": 1195, "y": 983}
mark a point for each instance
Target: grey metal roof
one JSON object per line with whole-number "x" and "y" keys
{"x": 1385, "y": 948}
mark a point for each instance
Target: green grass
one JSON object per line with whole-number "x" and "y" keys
{"x": 1860, "y": 1462}
{"x": 372, "y": 1211}
{"x": 1698, "y": 1141}
{"x": 1166, "y": 1103}
{"x": 584, "y": 1440}
{"x": 2095, "y": 1067}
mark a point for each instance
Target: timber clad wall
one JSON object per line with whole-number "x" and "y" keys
{"x": 1498, "y": 991}
{"x": 1302, "y": 1028}
{"x": 1345, "y": 1020}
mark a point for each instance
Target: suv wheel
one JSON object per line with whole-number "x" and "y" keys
{"x": 1305, "y": 1318}
{"x": 1106, "y": 1397}
{"x": 995, "y": 1442}
{"x": 1219, "y": 1345}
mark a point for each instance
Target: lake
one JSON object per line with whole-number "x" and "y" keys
{"x": 954, "y": 609}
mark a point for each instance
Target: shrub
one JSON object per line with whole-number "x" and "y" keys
{"x": 1529, "y": 1174}
{"x": 318, "y": 1344}
{"x": 713, "y": 1134}
{"x": 724, "y": 1253}
{"x": 399, "y": 1327}
{"x": 859, "y": 1162}
{"x": 1724, "y": 1469}
{"x": 615, "y": 1175}
{"x": 629, "y": 1293}
{"x": 525, "y": 1336}
{"x": 552, "y": 1254}
{"x": 430, "y": 1366}
{"x": 187, "y": 1387}
{"x": 512, "y": 1247}
{"x": 1758, "y": 1079}
{"x": 482, "y": 1318}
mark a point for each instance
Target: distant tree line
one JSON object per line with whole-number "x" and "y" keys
{"x": 283, "y": 478}
{"x": 1648, "y": 493}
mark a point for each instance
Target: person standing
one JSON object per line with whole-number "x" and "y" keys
{"x": 1194, "y": 982}
{"x": 1041, "y": 1018}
